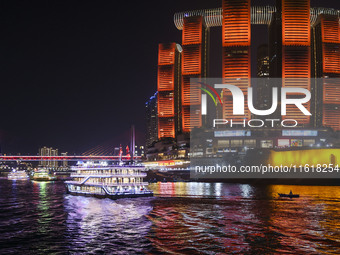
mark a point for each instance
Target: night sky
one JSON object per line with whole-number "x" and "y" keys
{"x": 76, "y": 74}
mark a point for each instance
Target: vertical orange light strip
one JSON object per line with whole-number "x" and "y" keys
{"x": 236, "y": 29}
{"x": 236, "y": 61}
{"x": 296, "y": 55}
{"x": 330, "y": 29}
{"x": 165, "y": 86}
{"x": 192, "y": 42}
{"x": 296, "y": 23}
{"x": 330, "y": 34}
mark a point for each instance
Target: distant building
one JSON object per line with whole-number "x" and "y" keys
{"x": 48, "y": 151}
{"x": 116, "y": 151}
{"x": 139, "y": 151}
{"x": 151, "y": 121}
{"x": 65, "y": 162}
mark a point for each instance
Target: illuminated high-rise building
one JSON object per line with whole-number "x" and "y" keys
{"x": 195, "y": 36}
{"x": 304, "y": 42}
{"x": 289, "y": 48}
{"x": 45, "y": 151}
{"x": 326, "y": 65}
{"x": 168, "y": 86}
{"x": 54, "y": 163}
{"x": 151, "y": 117}
{"x": 290, "y": 51}
{"x": 236, "y": 63}
{"x": 64, "y": 164}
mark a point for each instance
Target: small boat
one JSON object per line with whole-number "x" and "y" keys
{"x": 290, "y": 195}
{"x": 18, "y": 175}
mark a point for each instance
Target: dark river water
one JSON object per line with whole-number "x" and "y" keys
{"x": 182, "y": 218}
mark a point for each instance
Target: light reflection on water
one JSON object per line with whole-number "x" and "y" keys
{"x": 201, "y": 189}
{"x": 182, "y": 218}
{"x": 245, "y": 219}
{"x": 95, "y": 223}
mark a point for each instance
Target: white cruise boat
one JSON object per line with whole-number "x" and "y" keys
{"x": 114, "y": 181}
{"x": 43, "y": 174}
{"x": 18, "y": 175}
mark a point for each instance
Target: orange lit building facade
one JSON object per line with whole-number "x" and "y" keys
{"x": 296, "y": 51}
{"x": 236, "y": 41}
{"x": 326, "y": 65}
{"x": 168, "y": 86}
{"x": 194, "y": 65}
{"x": 294, "y": 43}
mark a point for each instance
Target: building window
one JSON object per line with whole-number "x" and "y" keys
{"x": 250, "y": 143}
{"x": 222, "y": 144}
{"x": 236, "y": 143}
{"x": 283, "y": 143}
{"x": 266, "y": 143}
{"x": 308, "y": 142}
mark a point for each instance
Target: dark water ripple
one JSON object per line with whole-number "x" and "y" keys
{"x": 183, "y": 218}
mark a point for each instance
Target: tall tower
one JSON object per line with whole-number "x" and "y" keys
{"x": 326, "y": 65}
{"x": 53, "y": 163}
{"x": 195, "y": 37}
{"x": 296, "y": 52}
{"x": 151, "y": 118}
{"x": 168, "y": 86}
{"x": 45, "y": 151}
{"x": 65, "y": 162}
{"x": 236, "y": 40}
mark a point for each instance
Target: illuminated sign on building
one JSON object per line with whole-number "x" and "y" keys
{"x": 232, "y": 133}
{"x": 299, "y": 133}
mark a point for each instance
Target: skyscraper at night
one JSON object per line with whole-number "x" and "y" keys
{"x": 303, "y": 43}
{"x": 236, "y": 41}
{"x": 195, "y": 41}
{"x": 326, "y": 65}
{"x": 151, "y": 117}
{"x": 46, "y": 151}
{"x": 290, "y": 52}
{"x": 168, "y": 85}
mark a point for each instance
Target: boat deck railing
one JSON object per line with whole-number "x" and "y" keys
{"x": 108, "y": 184}
{"x": 117, "y": 193}
{"x": 108, "y": 175}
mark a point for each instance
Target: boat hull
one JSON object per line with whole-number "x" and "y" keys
{"x": 74, "y": 193}
{"x": 18, "y": 178}
{"x": 290, "y": 196}
{"x": 43, "y": 179}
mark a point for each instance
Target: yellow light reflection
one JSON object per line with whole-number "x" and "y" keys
{"x": 302, "y": 157}
{"x": 315, "y": 213}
